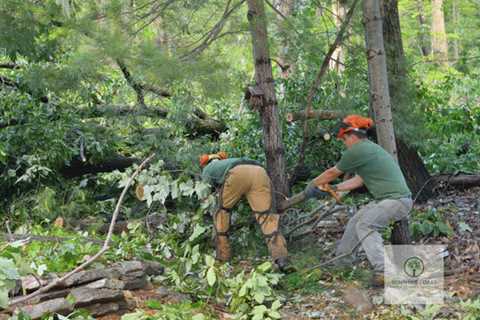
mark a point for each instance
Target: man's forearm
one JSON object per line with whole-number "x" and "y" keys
{"x": 350, "y": 184}
{"x": 327, "y": 176}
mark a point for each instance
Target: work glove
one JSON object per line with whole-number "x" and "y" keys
{"x": 312, "y": 191}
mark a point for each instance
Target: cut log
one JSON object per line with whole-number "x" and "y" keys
{"x": 102, "y": 309}
{"x": 84, "y": 296}
{"x": 60, "y": 306}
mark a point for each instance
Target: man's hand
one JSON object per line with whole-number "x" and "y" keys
{"x": 312, "y": 191}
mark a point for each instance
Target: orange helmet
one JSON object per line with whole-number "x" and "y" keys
{"x": 205, "y": 158}
{"x": 356, "y": 123}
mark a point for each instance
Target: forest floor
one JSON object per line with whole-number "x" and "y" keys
{"x": 335, "y": 293}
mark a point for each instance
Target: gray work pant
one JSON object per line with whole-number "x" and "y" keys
{"x": 368, "y": 222}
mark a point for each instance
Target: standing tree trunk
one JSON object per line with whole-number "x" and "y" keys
{"x": 455, "y": 18}
{"x": 411, "y": 163}
{"x": 439, "y": 36}
{"x": 423, "y": 32}
{"x": 337, "y": 61}
{"x": 285, "y": 7}
{"x": 379, "y": 94}
{"x": 272, "y": 131}
{"x": 378, "y": 79}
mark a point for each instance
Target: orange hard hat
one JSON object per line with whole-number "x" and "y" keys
{"x": 356, "y": 123}
{"x": 205, "y": 158}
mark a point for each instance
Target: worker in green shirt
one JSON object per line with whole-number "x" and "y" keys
{"x": 236, "y": 178}
{"x": 375, "y": 168}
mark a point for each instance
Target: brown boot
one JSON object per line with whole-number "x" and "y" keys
{"x": 223, "y": 248}
{"x": 378, "y": 280}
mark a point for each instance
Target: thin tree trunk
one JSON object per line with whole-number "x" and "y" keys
{"x": 455, "y": 18}
{"x": 379, "y": 94}
{"x": 272, "y": 131}
{"x": 396, "y": 65}
{"x": 422, "y": 33}
{"x": 411, "y": 163}
{"x": 337, "y": 62}
{"x": 378, "y": 84}
{"x": 439, "y": 36}
{"x": 285, "y": 7}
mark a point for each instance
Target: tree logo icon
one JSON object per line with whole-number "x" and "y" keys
{"x": 413, "y": 267}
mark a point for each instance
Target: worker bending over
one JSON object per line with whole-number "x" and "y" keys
{"x": 379, "y": 172}
{"x": 235, "y": 178}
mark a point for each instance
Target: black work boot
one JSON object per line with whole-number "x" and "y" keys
{"x": 284, "y": 265}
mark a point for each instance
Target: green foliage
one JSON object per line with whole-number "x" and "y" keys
{"x": 449, "y": 99}
{"x": 250, "y": 292}
{"x": 471, "y": 309}
{"x": 429, "y": 223}
{"x": 8, "y": 275}
{"x": 180, "y": 311}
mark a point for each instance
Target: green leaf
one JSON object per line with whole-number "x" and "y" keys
{"x": 209, "y": 260}
{"x": 276, "y": 305}
{"x": 198, "y": 316}
{"x": 186, "y": 188}
{"x": 264, "y": 267}
{"x": 202, "y": 189}
{"x": 174, "y": 190}
{"x": 3, "y": 297}
{"x": 71, "y": 299}
{"x": 198, "y": 231}
{"x": 259, "y": 296}
{"x": 258, "y": 312}
{"x": 443, "y": 228}
{"x": 211, "y": 277}
{"x": 462, "y": 226}
{"x": 8, "y": 268}
{"x": 243, "y": 290}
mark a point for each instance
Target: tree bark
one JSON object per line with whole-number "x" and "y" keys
{"x": 439, "y": 36}
{"x": 272, "y": 131}
{"x": 337, "y": 62}
{"x": 422, "y": 33}
{"x": 455, "y": 20}
{"x": 417, "y": 176}
{"x": 378, "y": 80}
{"x": 285, "y": 7}
{"x": 379, "y": 94}
{"x": 411, "y": 163}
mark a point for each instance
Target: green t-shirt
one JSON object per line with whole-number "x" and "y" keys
{"x": 379, "y": 171}
{"x": 214, "y": 173}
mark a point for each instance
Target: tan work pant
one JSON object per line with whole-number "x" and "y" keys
{"x": 254, "y": 183}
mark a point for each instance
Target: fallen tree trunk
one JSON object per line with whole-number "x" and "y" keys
{"x": 78, "y": 168}
{"x": 460, "y": 180}
{"x": 105, "y": 111}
